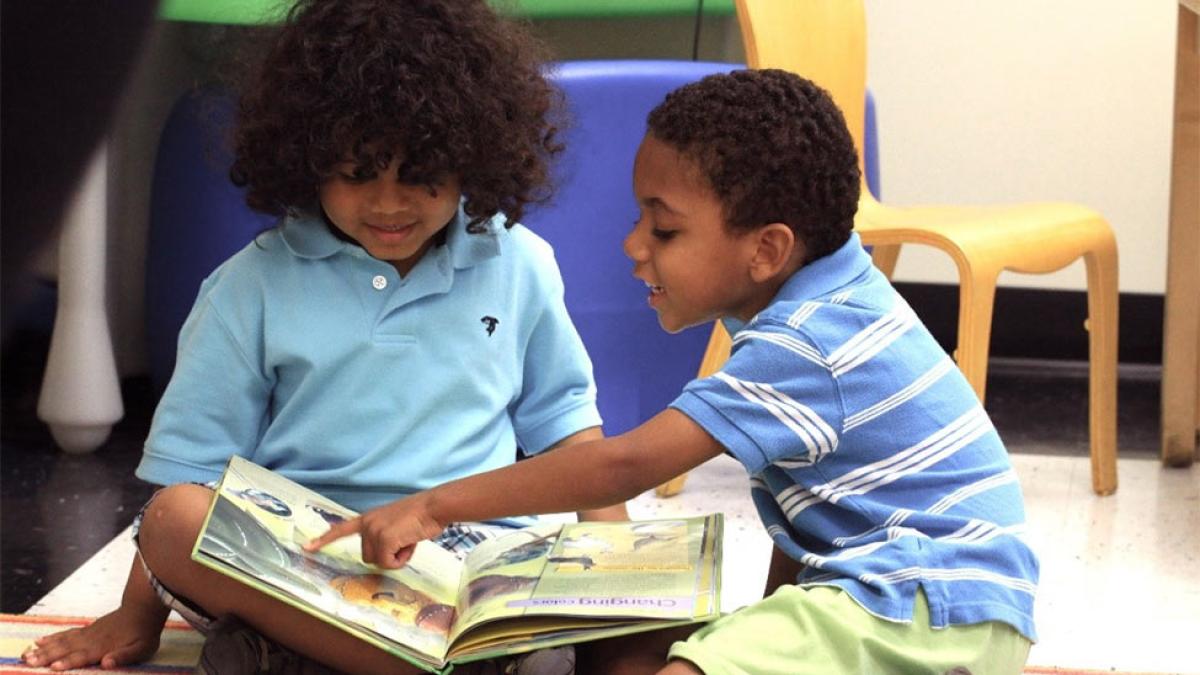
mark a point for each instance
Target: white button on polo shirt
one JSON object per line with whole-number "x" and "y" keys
{"x": 379, "y": 282}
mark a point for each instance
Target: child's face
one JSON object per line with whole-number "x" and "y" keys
{"x": 393, "y": 221}
{"x": 697, "y": 270}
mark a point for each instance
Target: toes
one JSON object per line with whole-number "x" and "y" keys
{"x": 46, "y": 652}
{"x": 40, "y": 657}
{"x": 74, "y": 659}
{"x": 62, "y": 664}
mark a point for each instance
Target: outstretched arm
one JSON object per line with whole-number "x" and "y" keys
{"x": 616, "y": 511}
{"x": 580, "y": 477}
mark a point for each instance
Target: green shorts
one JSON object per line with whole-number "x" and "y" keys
{"x": 822, "y": 629}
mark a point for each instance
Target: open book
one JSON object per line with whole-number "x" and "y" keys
{"x": 541, "y": 586}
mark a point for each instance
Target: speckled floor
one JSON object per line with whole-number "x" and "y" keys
{"x": 1120, "y": 575}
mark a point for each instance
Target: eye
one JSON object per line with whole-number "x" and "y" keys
{"x": 663, "y": 235}
{"x": 357, "y": 175}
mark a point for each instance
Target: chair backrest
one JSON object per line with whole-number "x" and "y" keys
{"x": 197, "y": 218}
{"x": 823, "y": 40}
{"x": 639, "y": 368}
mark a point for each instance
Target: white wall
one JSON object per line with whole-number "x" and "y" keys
{"x": 1029, "y": 100}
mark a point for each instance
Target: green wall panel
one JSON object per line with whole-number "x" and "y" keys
{"x": 262, "y": 11}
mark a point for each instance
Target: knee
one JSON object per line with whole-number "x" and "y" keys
{"x": 170, "y": 524}
{"x": 680, "y": 667}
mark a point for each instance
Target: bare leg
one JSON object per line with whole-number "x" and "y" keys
{"x": 680, "y": 667}
{"x": 168, "y": 532}
{"x": 128, "y": 634}
{"x": 633, "y": 654}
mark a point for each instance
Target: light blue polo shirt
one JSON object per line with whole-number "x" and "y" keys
{"x": 871, "y": 459}
{"x": 308, "y": 356}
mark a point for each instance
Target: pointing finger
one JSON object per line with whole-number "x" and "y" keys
{"x": 337, "y": 531}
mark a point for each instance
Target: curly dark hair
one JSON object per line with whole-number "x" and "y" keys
{"x": 773, "y": 147}
{"x": 455, "y": 88}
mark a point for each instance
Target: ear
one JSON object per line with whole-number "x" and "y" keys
{"x": 776, "y": 247}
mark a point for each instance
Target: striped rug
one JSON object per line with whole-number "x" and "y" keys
{"x": 180, "y": 648}
{"x": 177, "y": 653}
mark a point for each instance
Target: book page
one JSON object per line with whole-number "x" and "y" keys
{"x": 503, "y": 570}
{"x": 257, "y": 527}
{"x": 662, "y": 569}
{"x": 636, "y": 569}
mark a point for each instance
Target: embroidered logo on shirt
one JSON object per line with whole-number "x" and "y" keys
{"x": 491, "y": 322}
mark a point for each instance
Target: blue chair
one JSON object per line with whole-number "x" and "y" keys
{"x": 639, "y": 368}
{"x": 197, "y": 218}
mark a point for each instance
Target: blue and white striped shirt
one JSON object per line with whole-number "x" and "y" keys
{"x": 872, "y": 461}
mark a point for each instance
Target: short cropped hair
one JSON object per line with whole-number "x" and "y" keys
{"x": 455, "y": 88}
{"x": 773, "y": 147}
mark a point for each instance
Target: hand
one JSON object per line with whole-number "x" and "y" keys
{"x": 389, "y": 532}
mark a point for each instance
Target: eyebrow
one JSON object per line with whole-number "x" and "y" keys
{"x": 658, "y": 203}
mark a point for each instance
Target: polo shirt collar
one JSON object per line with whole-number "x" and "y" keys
{"x": 307, "y": 236}
{"x": 468, "y": 249}
{"x": 818, "y": 278}
{"x": 828, "y": 274}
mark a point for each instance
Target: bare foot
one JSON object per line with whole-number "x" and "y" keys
{"x": 120, "y": 637}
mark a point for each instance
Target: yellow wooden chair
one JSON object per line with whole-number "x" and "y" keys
{"x": 825, "y": 41}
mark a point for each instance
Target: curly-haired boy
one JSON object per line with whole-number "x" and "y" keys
{"x": 396, "y": 330}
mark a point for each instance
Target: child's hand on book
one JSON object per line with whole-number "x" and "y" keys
{"x": 388, "y": 533}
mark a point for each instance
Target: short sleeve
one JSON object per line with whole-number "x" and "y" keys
{"x": 775, "y": 401}
{"x": 558, "y": 392}
{"x": 216, "y": 404}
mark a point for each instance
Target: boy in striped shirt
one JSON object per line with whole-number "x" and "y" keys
{"x": 894, "y": 511}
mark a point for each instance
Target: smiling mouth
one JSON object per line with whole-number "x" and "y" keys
{"x": 391, "y": 228}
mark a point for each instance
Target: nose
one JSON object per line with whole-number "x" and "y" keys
{"x": 635, "y": 244}
{"x": 391, "y": 196}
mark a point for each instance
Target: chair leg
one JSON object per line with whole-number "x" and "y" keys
{"x": 1102, "y": 325}
{"x": 671, "y": 487}
{"x": 976, "y": 297}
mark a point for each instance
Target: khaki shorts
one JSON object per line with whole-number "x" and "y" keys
{"x": 822, "y": 629}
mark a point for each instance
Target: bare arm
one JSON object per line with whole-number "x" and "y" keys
{"x": 614, "y": 512}
{"x": 583, "y": 476}
{"x": 783, "y": 571}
